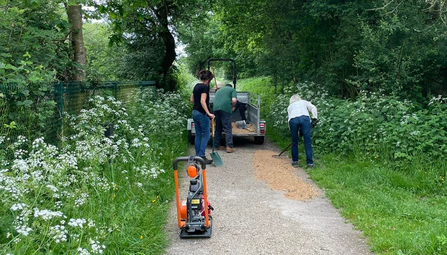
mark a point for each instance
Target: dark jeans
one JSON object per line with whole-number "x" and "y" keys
{"x": 223, "y": 121}
{"x": 202, "y": 125}
{"x": 242, "y": 108}
{"x": 303, "y": 123}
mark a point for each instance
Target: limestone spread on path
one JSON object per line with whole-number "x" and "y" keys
{"x": 278, "y": 173}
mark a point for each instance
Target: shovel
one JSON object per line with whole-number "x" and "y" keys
{"x": 278, "y": 156}
{"x": 214, "y": 155}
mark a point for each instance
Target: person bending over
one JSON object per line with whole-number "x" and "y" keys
{"x": 298, "y": 118}
{"x": 224, "y": 101}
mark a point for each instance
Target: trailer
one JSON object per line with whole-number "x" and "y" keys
{"x": 254, "y": 126}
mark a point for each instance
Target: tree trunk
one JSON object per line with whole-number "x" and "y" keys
{"x": 168, "y": 39}
{"x": 77, "y": 41}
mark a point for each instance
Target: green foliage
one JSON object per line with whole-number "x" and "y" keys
{"x": 33, "y": 54}
{"x": 203, "y": 39}
{"x": 25, "y": 91}
{"x": 34, "y": 31}
{"x": 344, "y": 46}
{"x": 404, "y": 53}
{"x": 105, "y": 61}
{"x": 185, "y": 79}
{"x": 147, "y": 30}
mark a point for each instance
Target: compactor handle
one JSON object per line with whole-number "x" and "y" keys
{"x": 194, "y": 158}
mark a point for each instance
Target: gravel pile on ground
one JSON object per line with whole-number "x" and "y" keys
{"x": 278, "y": 174}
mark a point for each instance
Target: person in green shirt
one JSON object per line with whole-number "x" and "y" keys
{"x": 223, "y": 105}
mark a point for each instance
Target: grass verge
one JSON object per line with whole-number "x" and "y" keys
{"x": 385, "y": 205}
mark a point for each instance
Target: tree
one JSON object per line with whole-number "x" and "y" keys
{"x": 345, "y": 46}
{"x": 74, "y": 12}
{"x": 148, "y": 28}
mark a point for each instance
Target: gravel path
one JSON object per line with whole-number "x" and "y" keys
{"x": 252, "y": 218}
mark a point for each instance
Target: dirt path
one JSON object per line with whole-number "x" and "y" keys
{"x": 254, "y": 214}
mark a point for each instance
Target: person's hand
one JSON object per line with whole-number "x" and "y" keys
{"x": 313, "y": 123}
{"x": 211, "y": 116}
{"x": 233, "y": 108}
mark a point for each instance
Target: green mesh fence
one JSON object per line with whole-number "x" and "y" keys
{"x": 36, "y": 110}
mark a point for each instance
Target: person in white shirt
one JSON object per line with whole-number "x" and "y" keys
{"x": 299, "y": 119}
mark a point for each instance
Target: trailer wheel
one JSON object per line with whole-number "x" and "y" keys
{"x": 191, "y": 138}
{"x": 259, "y": 139}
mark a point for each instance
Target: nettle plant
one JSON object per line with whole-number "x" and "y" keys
{"x": 50, "y": 195}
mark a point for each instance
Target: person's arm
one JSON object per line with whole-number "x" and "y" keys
{"x": 192, "y": 98}
{"x": 233, "y": 99}
{"x": 311, "y": 108}
{"x": 233, "y": 104}
{"x": 204, "y": 106}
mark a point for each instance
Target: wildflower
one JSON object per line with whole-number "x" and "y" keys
{"x": 80, "y": 201}
{"x": 20, "y": 206}
{"x": 82, "y": 251}
{"x": 77, "y": 222}
{"x": 52, "y": 188}
{"x": 91, "y": 223}
{"x": 97, "y": 247}
{"x": 23, "y": 230}
{"x": 46, "y": 214}
{"x": 59, "y": 233}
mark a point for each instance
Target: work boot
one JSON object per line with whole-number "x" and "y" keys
{"x": 230, "y": 150}
{"x": 218, "y": 148}
{"x": 295, "y": 164}
{"x": 207, "y": 161}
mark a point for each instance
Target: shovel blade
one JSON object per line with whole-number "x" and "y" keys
{"x": 216, "y": 159}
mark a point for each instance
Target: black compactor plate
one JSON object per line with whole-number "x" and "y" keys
{"x": 198, "y": 234}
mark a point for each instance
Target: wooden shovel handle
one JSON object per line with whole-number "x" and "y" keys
{"x": 213, "y": 126}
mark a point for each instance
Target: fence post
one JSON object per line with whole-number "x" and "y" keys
{"x": 60, "y": 104}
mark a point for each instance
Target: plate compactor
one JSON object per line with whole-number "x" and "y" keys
{"x": 194, "y": 214}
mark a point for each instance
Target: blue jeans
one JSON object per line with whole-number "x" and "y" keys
{"x": 223, "y": 121}
{"x": 202, "y": 125}
{"x": 303, "y": 123}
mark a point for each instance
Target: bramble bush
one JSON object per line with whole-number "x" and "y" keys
{"x": 94, "y": 194}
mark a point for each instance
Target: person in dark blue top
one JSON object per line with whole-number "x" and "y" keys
{"x": 201, "y": 114}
